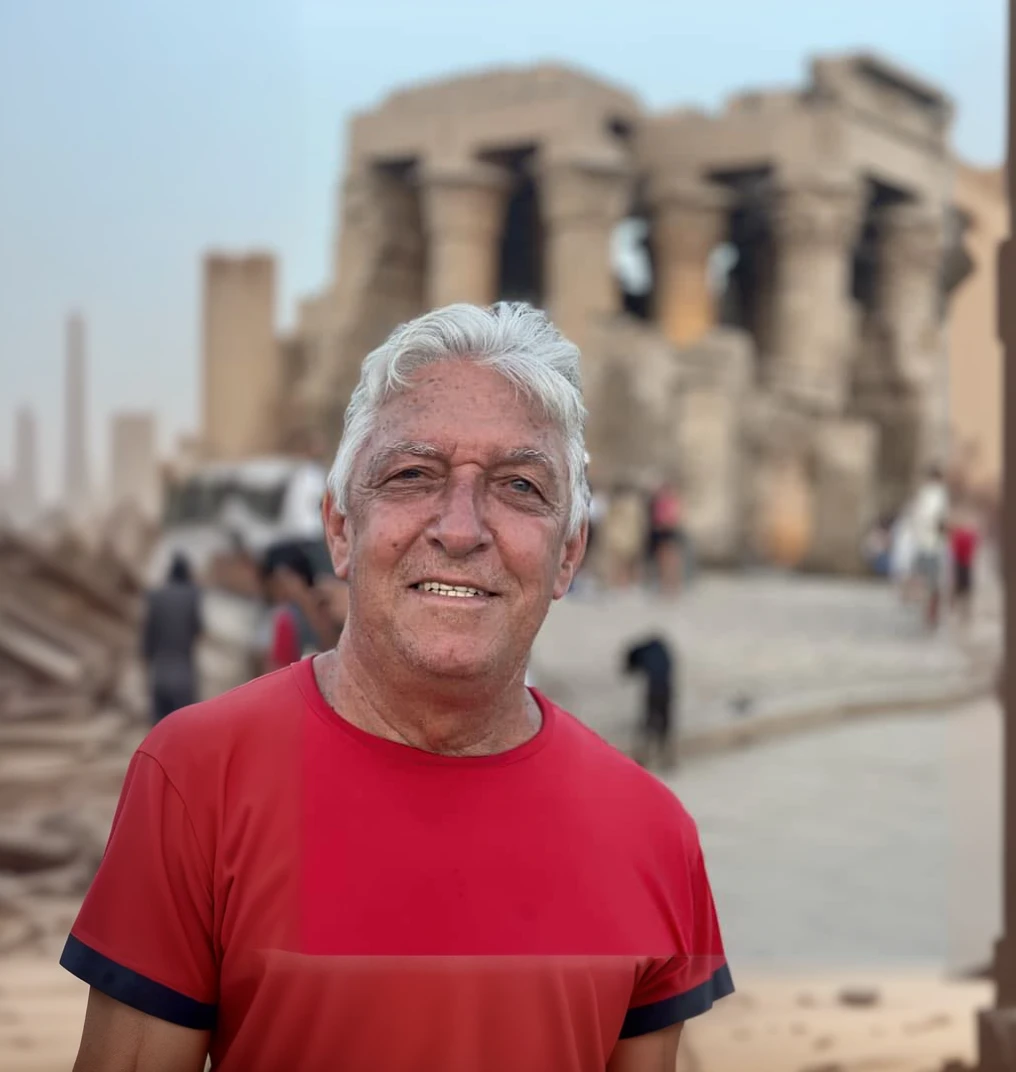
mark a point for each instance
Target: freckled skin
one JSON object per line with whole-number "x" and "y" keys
{"x": 466, "y": 514}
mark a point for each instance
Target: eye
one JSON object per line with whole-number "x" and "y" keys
{"x": 407, "y": 474}
{"x": 521, "y": 485}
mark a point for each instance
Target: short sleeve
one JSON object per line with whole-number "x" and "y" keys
{"x": 144, "y": 934}
{"x": 673, "y": 989}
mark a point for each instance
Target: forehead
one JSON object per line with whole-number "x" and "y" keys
{"x": 465, "y": 407}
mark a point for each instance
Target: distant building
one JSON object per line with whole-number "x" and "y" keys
{"x": 24, "y": 481}
{"x": 786, "y": 358}
{"x": 135, "y": 476}
{"x": 975, "y": 352}
{"x": 240, "y": 363}
{"x": 76, "y": 476}
{"x": 5, "y": 501}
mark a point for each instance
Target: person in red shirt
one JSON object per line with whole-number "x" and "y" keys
{"x": 294, "y": 624}
{"x": 963, "y": 544}
{"x": 666, "y": 538}
{"x": 395, "y": 854}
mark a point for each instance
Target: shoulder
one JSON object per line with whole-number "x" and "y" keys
{"x": 608, "y": 778}
{"x": 195, "y": 745}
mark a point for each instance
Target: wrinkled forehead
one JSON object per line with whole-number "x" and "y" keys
{"x": 473, "y": 415}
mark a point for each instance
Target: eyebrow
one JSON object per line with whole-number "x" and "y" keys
{"x": 518, "y": 455}
{"x": 386, "y": 455}
{"x": 526, "y": 456}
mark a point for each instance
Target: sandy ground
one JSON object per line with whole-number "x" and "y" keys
{"x": 799, "y": 1024}
{"x": 774, "y": 1023}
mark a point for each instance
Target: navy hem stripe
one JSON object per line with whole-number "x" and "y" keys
{"x": 644, "y": 1019}
{"x": 135, "y": 990}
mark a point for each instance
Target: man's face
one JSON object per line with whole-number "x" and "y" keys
{"x": 463, "y": 483}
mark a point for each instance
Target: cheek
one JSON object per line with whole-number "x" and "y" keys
{"x": 385, "y": 535}
{"x": 532, "y": 554}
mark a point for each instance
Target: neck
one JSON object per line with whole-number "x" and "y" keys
{"x": 459, "y": 718}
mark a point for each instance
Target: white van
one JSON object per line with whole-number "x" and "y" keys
{"x": 256, "y": 503}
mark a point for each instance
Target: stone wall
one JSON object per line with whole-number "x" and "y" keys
{"x": 854, "y": 385}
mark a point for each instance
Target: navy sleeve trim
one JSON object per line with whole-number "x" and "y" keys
{"x": 644, "y": 1019}
{"x": 135, "y": 990}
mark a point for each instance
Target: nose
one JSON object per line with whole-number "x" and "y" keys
{"x": 459, "y": 527}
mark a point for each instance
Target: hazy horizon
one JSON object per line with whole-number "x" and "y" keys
{"x": 139, "y": 140}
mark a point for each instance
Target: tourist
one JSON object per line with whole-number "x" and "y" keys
{"x": 394, "y": 855}
{"x": 666, "y": 538}
{"x": 928, "y": 520}
{"x": 964, "y": 540}
{"x": 292, "y": 625}
{"x": 171, "y": 629}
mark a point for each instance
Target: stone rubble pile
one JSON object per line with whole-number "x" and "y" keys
{"x": 71, "y": 714}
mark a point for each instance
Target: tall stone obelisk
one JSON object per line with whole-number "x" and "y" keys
{"x": 76, "y": 489}
{"x": 25, "y": 482}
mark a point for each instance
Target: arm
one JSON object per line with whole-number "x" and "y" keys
{"x": 117, "y": 1038}
{"x": 655, "y": 1052}
{"x": 144, "y": 936}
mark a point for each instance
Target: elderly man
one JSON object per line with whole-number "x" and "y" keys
{"x": 395, "y": 855}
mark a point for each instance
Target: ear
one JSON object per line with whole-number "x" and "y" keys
{"x": 336, "y": 526}
{"x": 572, "y": 553}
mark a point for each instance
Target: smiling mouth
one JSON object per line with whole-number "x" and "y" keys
{"x": 456, "y": 591}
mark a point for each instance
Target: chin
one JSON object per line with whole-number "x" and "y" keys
{"x": 454, "y": 662}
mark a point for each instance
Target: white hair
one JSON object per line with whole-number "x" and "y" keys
{"x": 513, "y": 338}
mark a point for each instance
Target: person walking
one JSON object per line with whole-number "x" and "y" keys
{"x": 666, "y": 538}
{"x": 171, "y": 628}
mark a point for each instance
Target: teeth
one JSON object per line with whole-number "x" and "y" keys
{"x": 449, "y": 589}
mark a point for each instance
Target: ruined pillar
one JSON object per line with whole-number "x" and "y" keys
{"x": 911, "y": 254}
{"x": 378, "y": 283}
{"x": 463, "y": 208}
{"x": 689, "y": 220}
{"x": 815, "y": 226}
{"x": 582, "y": 201}
{"x": 844, "y": 460}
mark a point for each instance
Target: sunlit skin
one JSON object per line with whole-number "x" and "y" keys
{"x": 463, "y": 481}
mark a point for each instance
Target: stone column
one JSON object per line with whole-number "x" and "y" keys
{"x": 844, "y": 468}
{"x": 689, "y": 220}
{"x": 716, "y": 378}
{"x": 582, "y": 201}
{"x": 815, "y": 225}
{"x": 463, "y": 209}
{"x": 911, "y": 258}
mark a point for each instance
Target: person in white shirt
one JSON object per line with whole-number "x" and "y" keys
{"x": 928, "y": 518}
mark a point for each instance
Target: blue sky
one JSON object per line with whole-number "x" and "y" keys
{"x": 134, "y": 134}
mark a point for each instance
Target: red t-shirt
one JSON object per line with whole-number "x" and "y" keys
{"x": 323, "y": 898}
{"x": 964, "y": 545}
{"x": 285, "y": 642}
{"x": 666, "y": 511}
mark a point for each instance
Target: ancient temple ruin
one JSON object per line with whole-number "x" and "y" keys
{"x": 784, "y": 354}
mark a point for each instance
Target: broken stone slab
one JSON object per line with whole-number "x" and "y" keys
{"x": 25, "y": 849}
{"x": 40, "y": 657}
{"x": 72, "y": 880}
{"x": 860, "y": 997}
{"x": 106, "y": 727}
{"x": 45, "y": 705}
